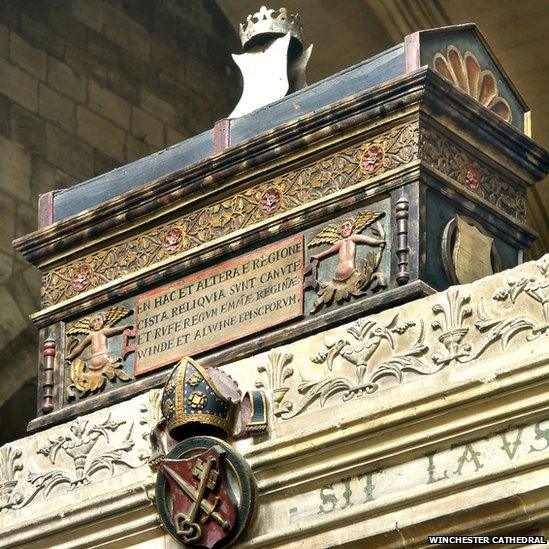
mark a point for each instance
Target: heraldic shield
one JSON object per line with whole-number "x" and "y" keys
{"x": 205, "y": 493}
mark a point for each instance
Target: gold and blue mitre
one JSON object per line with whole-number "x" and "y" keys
{"x": 195, "y": 396}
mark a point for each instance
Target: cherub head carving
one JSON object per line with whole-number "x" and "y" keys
{"x": 347, "y": 227}
{"x": 97, "y": 322}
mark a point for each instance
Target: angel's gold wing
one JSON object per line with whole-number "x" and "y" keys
{"x": 114, "y": 314}
{"x": 365, "y": 218}
{"x": 82, "y": 327}
{"x": 328, "y": 235}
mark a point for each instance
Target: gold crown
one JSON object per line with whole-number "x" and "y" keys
{"x": 269, "y": 21}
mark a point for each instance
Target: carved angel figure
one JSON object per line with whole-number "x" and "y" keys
{"x": 90, "y": 376}
{"x": 348, "y": 280}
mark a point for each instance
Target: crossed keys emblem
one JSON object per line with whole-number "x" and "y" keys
{"x": 199, "y": 496}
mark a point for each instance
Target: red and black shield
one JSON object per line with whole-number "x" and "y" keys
{"x": 203, "y": 512}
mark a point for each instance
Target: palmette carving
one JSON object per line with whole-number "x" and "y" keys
{"x": 464, "y": 71}
{"x": 10, "y": 464}
{"x": 454, "y": 311}
{"x": 336, "y": 171}
{"x": 278, "y": 371}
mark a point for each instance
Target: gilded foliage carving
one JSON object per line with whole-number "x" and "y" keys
{"x": 457, "y": 334}
{"x": 454, "y": 162}
{"x": 337, "y": 171}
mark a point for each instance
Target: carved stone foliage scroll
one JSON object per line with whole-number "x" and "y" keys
{"x": 65, "y": 458}
{"x": 464, "y": 324}
{"x": 337, "y": 171}
{"x": 454, "y": 162}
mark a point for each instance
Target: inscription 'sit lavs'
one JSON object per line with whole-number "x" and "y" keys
{"x": 232, "y": 300}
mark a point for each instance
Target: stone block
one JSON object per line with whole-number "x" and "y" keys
{"x": 43, "y": 176}
{"x": 146, "y": 127}
{"x": 9, "y": 15}
{"x": 173, "y": 137}
{"x": 56, "y": 108}
{"x": 28, "y": 57}
{"x": 15, "y": 170}
{"x": 100, "y": 133}
{"x": 123, "y": 86}
{"x": 7, "y": 223}
{"x": 36, "y": 10}
{"x": 28, "y": 129}
{"x": 32, "y": 279}
{"x": 108, "y": 105}
{"x": 68, "y": 153}
{"x": 26, "y": 286}
{"x": 88, "y": 12}
{"x": 103, "y": 49}
{"x": 26, "y": 221}
{"x": 64, "y": 180}
{"x": 84, "y": 64}
{"x": 144, "y": 12}
{"x": 13, "y": 322}
{"x": 64, "y": 79}
{"x": 125, "y": 32}
{"x": 5, "y": 113}
{"x": 164, "y": 53}
{"x": 137, "y": 69}
{"x": 63, "y": 24}
{"x": 157, "y": 107}
{"x": 173, "y": 90}
{"x": 18, "y": 85}
{"x": 6, "y": 264}
{"x": 136, "y": 148}
{"x": 40, "y": 36}
{"x": 4, "y": 41}
{"x": 103, "y": 163}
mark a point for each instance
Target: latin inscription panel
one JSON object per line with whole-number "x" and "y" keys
{"x": 226, "y": 302}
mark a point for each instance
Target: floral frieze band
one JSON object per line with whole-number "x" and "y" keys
{"x": 394, "y": 148}
{"x": 454, "y": 162}
{"x": 337, "y": 171}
